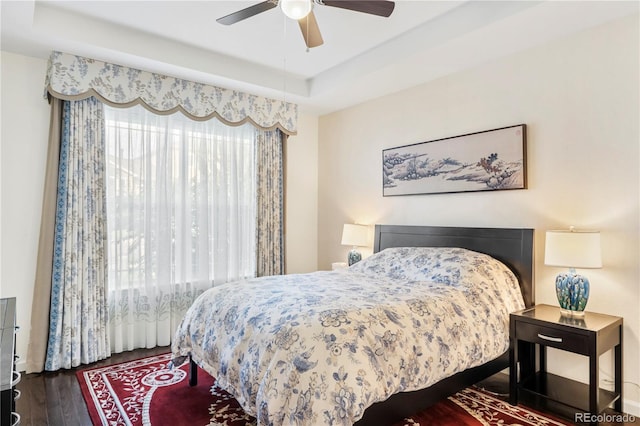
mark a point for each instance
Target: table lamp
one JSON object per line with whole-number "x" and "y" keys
{"x": 572, "y": 249}
{"x": 355, "y": 235}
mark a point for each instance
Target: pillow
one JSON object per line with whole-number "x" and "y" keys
{"x": 441, "y": 265}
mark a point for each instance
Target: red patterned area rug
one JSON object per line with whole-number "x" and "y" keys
{"x": 145, "y": 393}
{"x": 475, "y": 407}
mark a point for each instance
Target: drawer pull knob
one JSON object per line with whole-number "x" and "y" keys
{"x": 552, "y": 339}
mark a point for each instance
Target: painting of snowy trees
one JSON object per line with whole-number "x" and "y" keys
{"x": 483, "y": 161}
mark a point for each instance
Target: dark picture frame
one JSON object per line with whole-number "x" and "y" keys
{"x": 490, "y": 160}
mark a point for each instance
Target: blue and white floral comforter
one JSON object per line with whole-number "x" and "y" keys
{"x": 320, "y": 348}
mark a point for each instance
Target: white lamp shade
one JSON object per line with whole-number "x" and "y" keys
{"x": 296, "y": 9}
{"x": 355, "y": 235}
{"x": 573, "y": 249}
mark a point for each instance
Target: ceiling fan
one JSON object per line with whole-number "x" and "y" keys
{"x": 302, "y": 11}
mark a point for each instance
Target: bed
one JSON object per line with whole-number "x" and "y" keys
{"x": 371, "y": 344}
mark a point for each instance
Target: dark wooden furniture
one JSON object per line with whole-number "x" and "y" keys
{"x": 543, "y": 326}
{"x": 511, "y": 246}
{"x": 514, "y": 247}
{"x": 9, "y": 378}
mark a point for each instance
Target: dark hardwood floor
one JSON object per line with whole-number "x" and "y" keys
{"x": 498, "y": 384}
{"x": 54, "y": 399}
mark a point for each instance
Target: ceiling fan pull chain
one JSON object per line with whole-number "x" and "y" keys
{"x": 307, "y": 37}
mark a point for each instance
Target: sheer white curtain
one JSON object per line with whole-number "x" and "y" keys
{"x": 181, "y": 217}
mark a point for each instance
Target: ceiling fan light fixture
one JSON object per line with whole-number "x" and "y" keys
{"x": 296, "y": 9}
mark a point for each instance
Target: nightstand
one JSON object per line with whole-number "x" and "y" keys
{"x": 591, "y": 335}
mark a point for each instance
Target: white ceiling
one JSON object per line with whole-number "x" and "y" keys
{"x": 363, "y": 56}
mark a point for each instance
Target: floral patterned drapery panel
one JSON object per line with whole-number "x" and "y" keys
{"x": 78, "y": 318}
{"x": 270, "y": 203}
{"x": 75, "y": 77}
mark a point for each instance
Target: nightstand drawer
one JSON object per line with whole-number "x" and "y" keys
{"x": 555, "y": 338}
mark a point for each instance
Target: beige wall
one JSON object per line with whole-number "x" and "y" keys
{"x": 23, "y": 141}
{"x": 24, "y": 130}
{"x": 579, "y": 99}
{"x": 301, "y": 239}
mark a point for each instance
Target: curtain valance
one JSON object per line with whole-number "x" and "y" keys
{"x": 72, "y": 77}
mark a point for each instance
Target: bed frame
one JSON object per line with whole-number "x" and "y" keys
{"x": 514, "y": 247}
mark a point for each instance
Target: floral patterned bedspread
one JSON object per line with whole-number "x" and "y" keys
{"x": 320, "y": 348}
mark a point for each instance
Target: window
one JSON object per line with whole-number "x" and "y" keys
{"x": 181, "y": 198}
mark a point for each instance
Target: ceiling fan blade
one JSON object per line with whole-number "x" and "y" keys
{"x": 248, "y": 12}
{"x": 310, "y": 30}
{"x": 373, "y": 7}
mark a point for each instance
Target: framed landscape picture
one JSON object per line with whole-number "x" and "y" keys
{"x": 484, "y": 161}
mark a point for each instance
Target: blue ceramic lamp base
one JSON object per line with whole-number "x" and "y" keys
{"x": 354, "y": 256}
{"x": 573, "y": 293}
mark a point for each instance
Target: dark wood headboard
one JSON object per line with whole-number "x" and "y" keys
{"x": 511, "y": 246}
